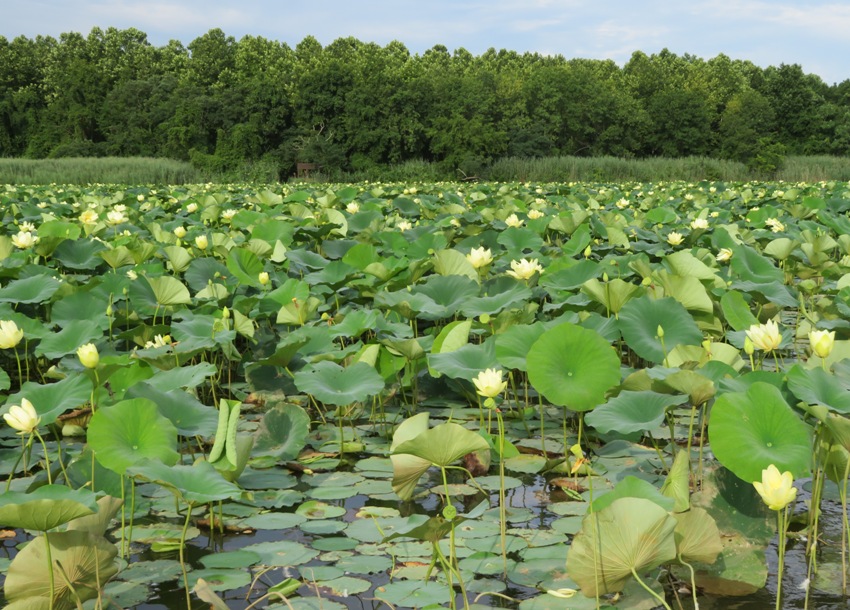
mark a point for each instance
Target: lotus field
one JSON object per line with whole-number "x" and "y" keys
{"x": 534, "y": 396}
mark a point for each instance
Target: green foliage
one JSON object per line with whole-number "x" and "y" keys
{"x": 251, "y": 109}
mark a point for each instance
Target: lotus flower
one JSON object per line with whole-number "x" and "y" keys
{"x": 723, "y": 255}
{"x": 202, "y": 242}
{"x": 513, "y": 221}
{"x": 24, "y": 240}
{"x": 524, "y": 269}
{"x": 699, "y": 223}
{"x": 480, "y": 257}
{"x": 489, "y": 383}
{"x": 777, "y": 490}
{"x": 23, "y": 417}
{"x": 10, "y": 334}
{"x": 765, "y": 337}
{"x": 674, "y": 238}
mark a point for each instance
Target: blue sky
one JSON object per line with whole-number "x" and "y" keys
{"x": 811, "y": 33}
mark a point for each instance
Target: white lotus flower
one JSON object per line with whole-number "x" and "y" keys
{"x": 525, "y": 268}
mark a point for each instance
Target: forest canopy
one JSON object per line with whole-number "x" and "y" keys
{"x": 221, "y": 102}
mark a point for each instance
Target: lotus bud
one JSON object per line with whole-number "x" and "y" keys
{"x": 264, "y": 278}
{"x": 225, "y": 314}
{"x": 202, "y": 242}
{"x": 88, "y": 355}
{"x": 822, "y": 342}
{"x": 660, "y": 331}
{"x": 587, "y": 252}
{"x": 749, "y": 348}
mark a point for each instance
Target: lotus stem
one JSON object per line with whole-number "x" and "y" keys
{"x": 182, "y": 555}
{"x": 693, "y": 581}
{"x": 50, "y": 569}
{"x": 845, "y": 528}
{"x": 649, "y": 590}
{"x": 20, "y": 372}
{"x": 782, "y": 517}
{"x": 503, "y": 510}
{"x": 46, "y": 457}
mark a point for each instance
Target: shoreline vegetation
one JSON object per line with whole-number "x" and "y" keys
{"x": 146, "y": 170}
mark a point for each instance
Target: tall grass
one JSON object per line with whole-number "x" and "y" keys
{"x": 103, "y": 170}
{"x": 143, "y": 170}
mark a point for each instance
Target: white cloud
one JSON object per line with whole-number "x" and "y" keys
{"x": 169, "y": 16}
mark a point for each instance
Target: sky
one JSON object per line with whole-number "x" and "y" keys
{"x": 811, "y": 33}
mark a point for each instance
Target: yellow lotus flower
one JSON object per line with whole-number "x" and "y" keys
{"x": 480, "y": 257}
{"x": 10, "y": 334}
{"x": 88, "y": 217}
{"x": 23, "y": 417}
{"x": 674, "y": 238}
{"x": 353, "y": 207}
{"x": 180, "y": 232}
{"x": 822, "y": 342}
{"x": 264, "y": 278}
{"x": 404, "y": 226}
{"x": 192, "y": 208}
{"x": 723, "y": 255}
{"x": 24, "y": 240}
{"x": 115, "y": 217}
{"x": 88, "y": 355}
{"x": 765, "y": 337}
{"x": 524, "y": 269}
{"x": 513, "y": 221}
{"x": 699, "y": 223}
{"x": 489, "y": 383}
{"x": 202, "y": 242}
{"x": 535, "y": 214}
{"x": 777, "y": 490}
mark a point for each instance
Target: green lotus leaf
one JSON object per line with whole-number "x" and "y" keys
{"x": 737, "y": 311}
{"x": 245, "y": 266}
{"x": 452, "y": 262}
{"x": 466, "y": 362}
{"x": 282, "y": 432}
{"x": 196, "y": 484}
{"x": 630, "y": 534}
{"x": 53, "y": 399}
{"x": 66, "y": 341}
{"x": 573, "y": 367}
{"x": 87, "y": 561}
{"x": 407, "y": 469}
{"x": 677, "y": 485}
{"x": 750, "y": 431}
{"x": 131, "y": 431}
{"x": 613, "y": 294}
{"x": 817, "y": 387}
{"x": 187, "y": 413}
{"x": 632, "y": 487}
{"x": 47, "y": 507}
{"x": 79, "y": 254}
{"x": 639, "y": 322}
{"x": 439, "y": 446}
{"x": 751, "y": 266}
{"x": 513, "y": 345}
{"x": 33, "y": 289}
{"x": 633, "y": 412}
{"x": 332, "y": 384}
{"x": 697, "y": 536}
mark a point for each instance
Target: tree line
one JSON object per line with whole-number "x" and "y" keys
{"x": 226, "y": 104}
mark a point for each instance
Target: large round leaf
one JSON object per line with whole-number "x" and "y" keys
{"x": 130, "y": 431}
{"x": 332, "y": 384}
{"x": 750, "y": 431}
{"x": 78, "y": 556}
{"x": 817, "y": 387}
{"x": 633, "y": 412}
{"x": 630, "y": 534}
{"x": 282, "y": 432}
{"x": 573, "y": 367}
{"x": 639, "y": 322}
{"x": 45, "y": 508}
{"x": 196, "y": 484}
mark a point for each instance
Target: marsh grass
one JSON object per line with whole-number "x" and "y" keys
{"x": 101, "y": 170}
